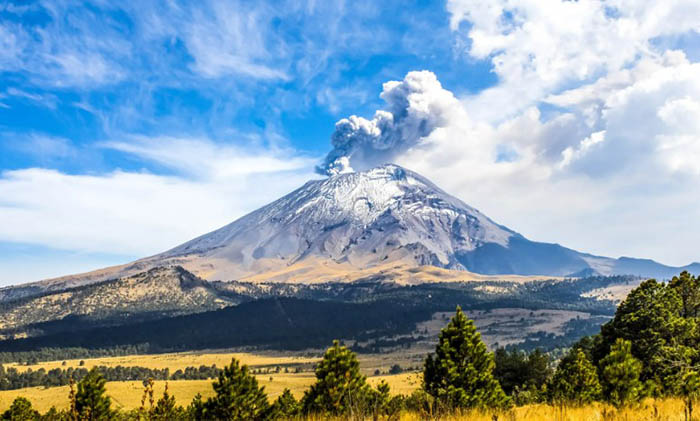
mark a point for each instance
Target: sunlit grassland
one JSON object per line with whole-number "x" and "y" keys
{"x": 174, "y": 361}
{"x": 127, "y": 394}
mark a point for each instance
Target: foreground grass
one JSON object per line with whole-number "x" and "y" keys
{"x": 650, "y": 410}
{"x": 127, "y": 394}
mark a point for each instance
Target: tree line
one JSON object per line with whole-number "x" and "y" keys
{"x": 11, "y": 378}
{"x": 651, "y": 347}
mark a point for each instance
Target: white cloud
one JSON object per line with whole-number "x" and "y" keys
{"x": 140, "y": 213}
{"x": 205, "y": 159}
{"x": 589, "y": 138}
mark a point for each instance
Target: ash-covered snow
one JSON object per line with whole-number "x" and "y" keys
{"x": 360, "y": 218}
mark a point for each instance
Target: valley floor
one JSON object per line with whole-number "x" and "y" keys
{"x": 127, "y": 394}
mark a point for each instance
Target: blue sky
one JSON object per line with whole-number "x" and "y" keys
{"x": 125, "y": 130}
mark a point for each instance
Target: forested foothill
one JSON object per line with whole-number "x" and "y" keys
{"x": 649, "y": 350}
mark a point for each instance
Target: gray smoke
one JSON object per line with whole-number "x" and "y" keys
{"x": 416, "y": 106}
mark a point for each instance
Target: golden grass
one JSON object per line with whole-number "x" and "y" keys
{"x": 127, "y": 395}
{"x": 173, "y": 361}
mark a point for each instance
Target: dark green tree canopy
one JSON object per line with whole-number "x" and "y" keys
{"x": 91, "y": 403}
{"x": 620, "y": 375}
{"x": 660, "y": 322}
{"x": 460, "y": 373}
{"x": 575, "y": 380}
{"x": 338, "y": 383}
{"x": 20, "y": 410}
{"x": 286, "y": 406}
{"x": 238, "y": 396}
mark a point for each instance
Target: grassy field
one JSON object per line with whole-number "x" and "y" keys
{"x": 175, "y": 361}
{"x": 127, "y": 394}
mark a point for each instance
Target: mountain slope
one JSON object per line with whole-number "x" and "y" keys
{"x": 344, "y": 227}
{"x": 157, "y": 293}
{"x": 362, "y": 220}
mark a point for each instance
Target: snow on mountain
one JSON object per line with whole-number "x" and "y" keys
{"x": 365, "y": 219}
{"x": 384, "y": 223}
{"x": 361, "y": 218}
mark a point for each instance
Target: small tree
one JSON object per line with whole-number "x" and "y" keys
{"x": 575, "y": 380}
{"x": 20, "y": 410}
{"x": 166, "y": 409}
{"x": 460, "y": 374}
{"x": 91, "y": 404}
{"x": 238, "y": 396}
{"x": 620, "y": 374}
{"x": 339, "y": 385}
{"x": 285, "y": 407}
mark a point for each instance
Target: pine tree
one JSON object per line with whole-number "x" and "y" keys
{"x": 91, "y": 403}
{"x": 575, "y": 380}
{"x": 285, "y": 407}
{"x": 166, "y": 409}
{"x": 620, "y": 374}
{"x": 460, "y": 374}
{"x": 339, "y": 384}
{"x": 20, "y": 410}
{"x": 238, "y": 396}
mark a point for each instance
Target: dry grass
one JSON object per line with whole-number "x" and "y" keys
{"x": 650, "y": 410}
{"x": 175, "y": 361}
{"x": 127, "y": 394}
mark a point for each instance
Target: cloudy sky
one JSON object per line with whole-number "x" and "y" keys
{"x": 125, "y": 130}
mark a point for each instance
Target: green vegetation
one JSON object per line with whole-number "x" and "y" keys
{"x": 11, "y": 378}
{"x": 651, "y": 347}
{"x": 620, "y": 374}
{"x": 460, "y": 375}
{"x": 91, "y": 404}
{"x": 238, "y": 397}
{"x": 20, "y": 410}
{"x": 575, "y": 380}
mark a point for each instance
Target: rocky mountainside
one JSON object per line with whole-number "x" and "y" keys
{"x": 156, "y": 293}
{"x": 361, "y": 226}
{"x": 362, "y": 220}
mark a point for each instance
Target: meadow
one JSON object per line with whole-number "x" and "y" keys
{"x": 127, "y": 394}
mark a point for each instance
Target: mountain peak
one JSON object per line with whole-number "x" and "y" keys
{"x": 361, "y": 218}
{"x": 359, "y": 223}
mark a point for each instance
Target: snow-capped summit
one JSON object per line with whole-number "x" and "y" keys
{"x": 384, "y": 223}
{"x": 362, "y": 218}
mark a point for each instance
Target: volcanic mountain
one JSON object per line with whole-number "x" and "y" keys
{"x": 383, "y": 223}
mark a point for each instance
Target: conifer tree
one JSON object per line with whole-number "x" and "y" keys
{"x": 20, "y": 410}
{"x": 238, "y": 396}
{"x": 620, "y": 374}
{"x": 575, "y": 380}
{"x": 166, "y": 409}
{"x": 339, "y": 383}
{"x": 460, "y": 374}
{"x": 91, "y": 404}
{"x": 285, "y": 407}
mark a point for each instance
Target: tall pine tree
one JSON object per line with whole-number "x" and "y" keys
{"x": 620, "y": 374}
{"x": 460, "y": 374}
{"x": 238, "y": 396}
{"x": 91, "y": 404}
{"x": 339, "y": 383}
